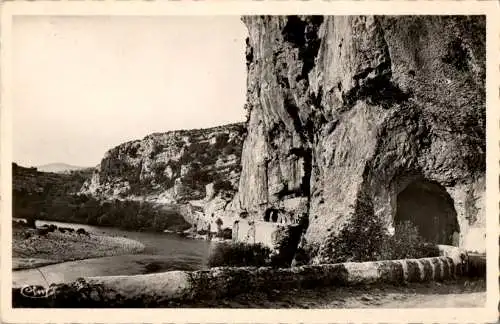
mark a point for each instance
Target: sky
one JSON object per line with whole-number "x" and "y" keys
{"x": 83, "y": 85}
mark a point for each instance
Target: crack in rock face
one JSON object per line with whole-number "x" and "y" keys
{"x": 344, "y": 107}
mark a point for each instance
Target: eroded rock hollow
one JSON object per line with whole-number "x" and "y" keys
{"x": 387, "y": 108}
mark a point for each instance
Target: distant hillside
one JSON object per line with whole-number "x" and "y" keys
{"x": 54, "y": 196}
{"x": 31, "y": 180}
{"x": 34, "y": 192}
{"x": 59, "y": 168}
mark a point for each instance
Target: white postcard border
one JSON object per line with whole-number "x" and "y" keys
{"x": 147, "y": 8}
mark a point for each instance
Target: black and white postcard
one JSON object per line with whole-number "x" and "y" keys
{"x": 253, "y": 161}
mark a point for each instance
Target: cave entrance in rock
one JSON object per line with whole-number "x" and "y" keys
{"x": 428, "y": 206}
{"x": 271, "y": 215}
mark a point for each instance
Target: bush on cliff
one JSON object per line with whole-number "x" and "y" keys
{"x": 365, "y": 238}
{"x": 306, "y": 253}
{"x": 225, "y": 233}
{"x": 371, "y": 242}
{"x": 361, "y": 238}
{"x": 239, "y": 255}
{"x": 406, "y": 243}
{"x": 223, "y": 185}
{"x": 286, "y": 238}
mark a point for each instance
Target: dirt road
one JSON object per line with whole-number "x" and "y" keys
{"x": 459, "y": 293}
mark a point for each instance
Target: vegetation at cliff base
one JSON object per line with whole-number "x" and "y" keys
{"x": 51, "y": 196}
{"x": 133, "y": 215}
{"x": 239, "y": 254}
{"x": 365, "y": 238}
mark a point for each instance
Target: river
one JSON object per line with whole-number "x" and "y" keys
{"x": 163, "y": 252}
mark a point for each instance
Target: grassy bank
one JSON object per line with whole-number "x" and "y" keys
{"x": 31, "y": 250}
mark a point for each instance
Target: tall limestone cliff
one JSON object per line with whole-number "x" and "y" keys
{"x": 186, "y": 167}
{"x": 346, "y": 111}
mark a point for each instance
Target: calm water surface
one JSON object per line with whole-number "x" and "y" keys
{"x": 163, "y": 252}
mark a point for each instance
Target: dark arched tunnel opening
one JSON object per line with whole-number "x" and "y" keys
{"x": 271, "y": 215}
{"x": 428, "y": 206}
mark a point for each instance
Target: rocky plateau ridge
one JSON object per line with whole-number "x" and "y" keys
{"x": 196, "y": 169}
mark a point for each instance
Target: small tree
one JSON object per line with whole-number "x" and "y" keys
{"x": 239, "y": 255}
{"x": 219, "y": 224}
{"x": 365, "y": 238}
{"x": 223, "y": 185}
{"x": 407, "y": 243}
{"x": 362, "y": 238}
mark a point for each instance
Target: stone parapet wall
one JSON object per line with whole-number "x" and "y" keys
{"x": 168, "y": 288}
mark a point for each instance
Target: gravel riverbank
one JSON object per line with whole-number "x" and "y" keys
{"x": 31, "y": 250}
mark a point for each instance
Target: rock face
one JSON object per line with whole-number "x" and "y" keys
{"x": 342, "y": 109}
{"x": 200, "y": 166}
